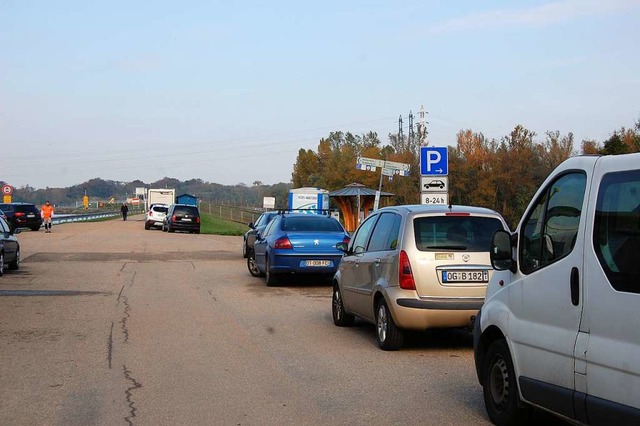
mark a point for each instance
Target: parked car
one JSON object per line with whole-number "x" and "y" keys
{"x": 250, "y": 235}
{"x": 22, "y": 215}
{"x": 182, "y": 217}
{"x": 297, "y": 243}
{"x": 415, "y": 267}
{"x": 9, "y": 247}
{"x": 155, "y": 216}
{"x": 560, "y": 328}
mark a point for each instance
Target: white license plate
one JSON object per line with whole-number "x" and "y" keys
{"x": 31, "y": 215}
{"x": 318, "y": 263}
{"x": 186, "y": 220}
{"x": 465, "y": 276}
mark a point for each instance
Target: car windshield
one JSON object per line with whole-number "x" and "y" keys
{"x": 311, "y": 223}
{"x": 469, "y": 233}
{"x": 160, "y": 209}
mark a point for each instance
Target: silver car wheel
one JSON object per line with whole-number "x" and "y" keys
{"x": 382, "y": 323}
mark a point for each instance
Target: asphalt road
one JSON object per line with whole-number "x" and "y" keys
{"x": 108, "y": 324}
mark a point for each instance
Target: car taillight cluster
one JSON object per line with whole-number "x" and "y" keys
{"x": 174, "y": 218}
{"x": 282, "y": 243}
{"x": 405, "y": 278}
{"x": 19, "y": 214}
{"x": 198, "y": 219}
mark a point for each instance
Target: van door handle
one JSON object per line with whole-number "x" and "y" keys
{"x": 575, "y": 286}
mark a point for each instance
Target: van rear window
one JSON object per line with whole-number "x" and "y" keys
{"x": 466, "y": 233}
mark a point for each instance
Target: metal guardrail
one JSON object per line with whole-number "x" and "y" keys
{"x": 82, "y": 217}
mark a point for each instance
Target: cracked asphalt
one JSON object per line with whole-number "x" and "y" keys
{"x": 108, "y": 324}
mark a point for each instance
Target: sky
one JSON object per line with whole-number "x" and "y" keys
{"x": 229, "y": 92}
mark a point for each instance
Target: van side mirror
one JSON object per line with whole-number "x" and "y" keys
{"x": 500, "y": 252}
{"x": 251, "y": 225}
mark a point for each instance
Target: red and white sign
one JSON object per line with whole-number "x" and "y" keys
{"x": 7, "y": 189}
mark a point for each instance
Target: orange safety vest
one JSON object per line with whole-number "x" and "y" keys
{"x": 47, "y": 211}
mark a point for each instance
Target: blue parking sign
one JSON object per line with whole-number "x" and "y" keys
{"x": 434, "y": 160}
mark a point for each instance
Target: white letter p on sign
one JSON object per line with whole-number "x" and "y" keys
{"x": 433, "y": 157}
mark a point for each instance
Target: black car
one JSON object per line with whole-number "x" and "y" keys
{"x": 182, "y": 217}
{"x": 9, "y": 247}
{"x": 22, "y": 215}
{"x": 250, "y": 235}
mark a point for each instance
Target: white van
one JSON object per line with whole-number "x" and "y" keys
{"x": 560, "y": 327}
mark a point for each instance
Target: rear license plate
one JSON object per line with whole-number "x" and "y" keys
{"x": 465, "y": 276}
{"x": 31, "y": 215}
{"x": 186, "y": 219}
{"x": 318, "y": 263}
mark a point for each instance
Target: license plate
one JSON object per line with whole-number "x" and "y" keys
{"x": 318, "y": 263}
{"x": 186, "y": 220}
{"x": 465, "y": 276}
{"x": 31, "y": 215}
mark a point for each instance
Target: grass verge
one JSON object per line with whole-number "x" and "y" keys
{"x": 213, "y": 225}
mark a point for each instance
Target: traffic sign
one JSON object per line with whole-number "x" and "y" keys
{"x": 434, "y": 160}
{"x": 366, "y": 167}
{"x": 7, "y": 189}
{"x": 387, "y": 171}
{"x": 436, "y": 198}
{"x": 434, "y": 183}
{"x": 399, "y": 166}
{"x": 372, "y": 162}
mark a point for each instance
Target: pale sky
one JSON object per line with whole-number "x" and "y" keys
{"x": 229, "y": 91}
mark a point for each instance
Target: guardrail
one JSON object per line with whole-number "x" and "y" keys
{"x": 67, "y": 218}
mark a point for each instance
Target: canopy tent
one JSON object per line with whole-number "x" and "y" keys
{"x": 364, "y": 200}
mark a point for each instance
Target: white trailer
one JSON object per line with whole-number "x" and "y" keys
{"x": 309, "y": 200}
{"x": 160, "y": 196}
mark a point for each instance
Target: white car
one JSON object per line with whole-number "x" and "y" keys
{"x": 155, "y": 216}
{"x": 560, "y": 326}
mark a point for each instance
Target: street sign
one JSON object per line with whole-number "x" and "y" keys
{"x": 366, "y": 167}
{"x": 399, "y": 166}
{"x": 7, "y": 189}
{"x": 434, "y": 183}
{"x": 434, "y": 160}
{"x": 372, "y": 162}
{"x": 387, "y": 171}
{"x": 435, "y": 198}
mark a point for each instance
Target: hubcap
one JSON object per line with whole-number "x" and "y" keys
{"x": 382, "y": 323}
{"x": 252, "y": 265}
{"x": 499, "y": 383}
{"x": 337, "y": 304}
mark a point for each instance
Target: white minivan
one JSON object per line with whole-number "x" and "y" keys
{"x": 560, "y": 326}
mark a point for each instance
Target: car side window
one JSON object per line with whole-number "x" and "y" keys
{"x": 269, "y": 227}
{"x": 550, "y": 230}
{"x": 616, "y": 231}
{"x": 359, "y": 242}
{"x": 385, "y": 234}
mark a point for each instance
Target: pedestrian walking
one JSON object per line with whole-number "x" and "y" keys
{"x": 124, "y": 210}
{"x": 47, "y": 214}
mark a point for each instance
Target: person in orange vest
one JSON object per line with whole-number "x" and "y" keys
{"x": 47, "y": 213}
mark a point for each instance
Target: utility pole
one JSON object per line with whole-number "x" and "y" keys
{"x": 400, "y": 131}
{"x": 422, "y": 127}
{"x": 411, "y": 133}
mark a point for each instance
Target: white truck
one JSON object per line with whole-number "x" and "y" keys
{"x": 160, "y": 196}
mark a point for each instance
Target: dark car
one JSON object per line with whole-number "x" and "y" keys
{"x": 9, "y": 247}
{"x": 255, "y": 228}
{"x": 182, "y": 217}
{"x": 298, "y": 243}
{"x": 22, "y": 215}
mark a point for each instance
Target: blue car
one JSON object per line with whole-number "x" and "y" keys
{"x": 297, "y": 243}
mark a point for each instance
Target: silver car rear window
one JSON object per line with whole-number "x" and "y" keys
{"x": 465, "y": 233}
{"x": 160, "y": 209}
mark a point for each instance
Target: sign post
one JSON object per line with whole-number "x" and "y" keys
{"x": 389, "y": 168}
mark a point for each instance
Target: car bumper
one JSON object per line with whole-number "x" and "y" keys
{"x": 154, "y": 222}
{"x": 282, "y": 264}
{"x": 182, "y": 226}
{"x": 416, "y": 313}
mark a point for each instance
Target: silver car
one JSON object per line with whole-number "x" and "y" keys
{"x": 415, "y": 267}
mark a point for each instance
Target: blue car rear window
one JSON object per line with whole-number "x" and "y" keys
{"x": 311, "y": 223}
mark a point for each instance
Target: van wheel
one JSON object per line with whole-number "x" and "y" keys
{"x": 500, "y": 389}
{"x": 340, "y": 317}
{"x": 389, "y": 336}
{"x": 16, "y": 263}
{"x": 269, "y": 276}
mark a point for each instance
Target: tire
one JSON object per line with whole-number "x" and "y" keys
{"x": 500, "y": 388}
{"x": 163, "y": 228}
{"x": 389, "y": 336}
{"x": 16, "y": 263}
{"x": 169, "y": 228}
{"x": 340, "y": 317}
{"x": 268, "y": 275}
{"x": 147, "y": 226}
{"x": 35, "y": 228}
{"x": 244, "y": 248}
{"x": 197, "y": 231}
{"x": 253, "y": 268}
{"x": 1, "y": 264}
